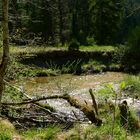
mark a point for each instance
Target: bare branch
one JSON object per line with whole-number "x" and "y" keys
{"x": 47, "y": 107}
{"x": 93, "y": 101}
{"x": 133, "y": 12}
{"x": 35, "y": 100}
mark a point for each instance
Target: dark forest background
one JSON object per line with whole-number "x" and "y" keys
{"x": 104, "y": 22}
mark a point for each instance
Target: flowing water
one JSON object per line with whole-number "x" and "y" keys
{"x": 68, "y": 83}
{"x": 76, "y": 86}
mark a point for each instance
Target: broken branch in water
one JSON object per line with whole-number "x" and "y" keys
{"x": 87, "y": 110}
{"x": 34, "y": 100}
{"x": 93, "y": 101}
{"x": 45, "y": 107}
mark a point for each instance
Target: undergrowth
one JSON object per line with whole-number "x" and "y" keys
{"x": 48, "y": 133}
{"x": 16, "y": 70}
{"x": 6, "y": 130}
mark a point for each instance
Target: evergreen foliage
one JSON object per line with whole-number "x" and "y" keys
{"x": 108, "y": 22}
{"x": 106, "y": 18}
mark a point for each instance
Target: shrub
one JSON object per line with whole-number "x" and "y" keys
{"x": 128, "y": 55}
{"x": 134, "y": 40}
{"x": 90, "y": 41}
{"x": 133, "y": 85}
{"x": 74, "y": 45}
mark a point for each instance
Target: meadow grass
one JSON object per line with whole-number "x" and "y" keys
{"x": 32, "y": 49}
{"x": 47, "y": 133}
{"x": 40, "y": 49}
{"x": 97, "y": 48}
{"x": 104, "y": 132}
{"x": 7, "y": 130}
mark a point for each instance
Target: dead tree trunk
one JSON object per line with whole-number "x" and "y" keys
{"x": 5, "y": 35}
{"x": 124, "y": 113}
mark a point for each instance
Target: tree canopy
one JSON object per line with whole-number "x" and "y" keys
{"x": 59, "y": 21}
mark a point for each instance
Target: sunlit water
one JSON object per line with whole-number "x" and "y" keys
{"x": 68, "y": 83}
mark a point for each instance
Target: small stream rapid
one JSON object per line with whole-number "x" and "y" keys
{"x": 76, "y": 86}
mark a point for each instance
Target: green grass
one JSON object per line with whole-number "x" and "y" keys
{"x": 99, "y": 65}
{"x": 48, "y": 133}
{"x": 6, "y": 130}
{"x": 133, "y": 80}
{"x": 16, "y": 70}
{"x": 104, "y": 132}
{"x": 133, "y": 85}
{"x": 39, "y": 49}
{"x": 97, "y": 48}
{"x": 96, "y": 65}
{"x": 32, "y": 49}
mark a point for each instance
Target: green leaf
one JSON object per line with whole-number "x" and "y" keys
{"x": 122, "y": 85}
{"x": 110, "y": 85}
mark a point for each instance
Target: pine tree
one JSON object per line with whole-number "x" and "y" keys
{"x": 106, "y": 17}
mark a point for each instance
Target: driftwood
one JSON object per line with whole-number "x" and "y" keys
{"x": 87, "y": 110}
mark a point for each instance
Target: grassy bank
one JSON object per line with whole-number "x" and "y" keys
{"x": 38, "y": 49}
{"x": 7, "y": 130}
{"x": 97, "y": 48}
{"x": 29, "y": 61}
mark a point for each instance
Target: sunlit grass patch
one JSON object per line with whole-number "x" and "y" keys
{"x": 33, "y": 49}
{"x": 39, "y": 49}
{"x": 7, "y": 130}
{"x": 97, "y": 48}
{"x": 48, "y": 133}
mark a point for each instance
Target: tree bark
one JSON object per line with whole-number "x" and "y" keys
{"x": 5, "y": 35}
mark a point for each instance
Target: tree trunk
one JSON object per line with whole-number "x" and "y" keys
{"x": 61, "y": 22}
{"x": 5, "y": 35}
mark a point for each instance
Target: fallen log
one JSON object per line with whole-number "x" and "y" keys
{"x": 86, "y": 109}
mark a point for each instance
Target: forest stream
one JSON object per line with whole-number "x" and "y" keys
{"x": 76, "y": 86}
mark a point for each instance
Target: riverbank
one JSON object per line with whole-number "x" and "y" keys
{"x": 38, "y": 61}
{"x": 49, "y": 60}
